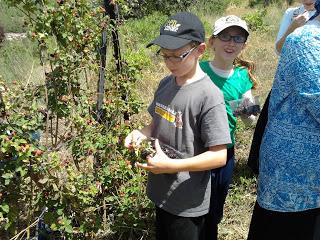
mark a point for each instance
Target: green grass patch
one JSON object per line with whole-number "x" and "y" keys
{"x": 19, "y": 61}
{"x": 138, "y": 33}
{"x": 11, "y": 18}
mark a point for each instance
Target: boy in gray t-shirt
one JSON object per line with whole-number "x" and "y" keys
{"x": 188, "y": 114}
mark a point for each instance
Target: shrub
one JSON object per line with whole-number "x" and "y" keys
{"x": 213, "y": 7}
{"x": 255, "y": 20}
{"x": 84, "y": 178}
{"x": 78, "y": 173}
{"x": 140, "y": 8}
{"x": 253, "y": 3}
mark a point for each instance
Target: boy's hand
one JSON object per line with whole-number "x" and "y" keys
{"x": 159, "y": 163}
{"x": 134, "y": 139}
{"x": 299, "y": 20}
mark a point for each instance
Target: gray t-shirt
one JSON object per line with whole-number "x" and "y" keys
{"x": 189, "y": 118}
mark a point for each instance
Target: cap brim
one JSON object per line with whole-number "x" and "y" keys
{"x": 227, "y": 26}
{"x": 169, "y": 42}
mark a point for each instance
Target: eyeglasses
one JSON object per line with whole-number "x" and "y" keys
{"x": 225, "y": 37}
{"x": 176, "y": 58}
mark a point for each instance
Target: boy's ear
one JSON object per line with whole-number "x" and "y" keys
{"x": 211, "y": 40}
{"x": 202, "y": 48}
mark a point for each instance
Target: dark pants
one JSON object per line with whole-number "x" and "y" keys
{"x": 267, "y": 225}
{"x": 253, "y": 159}
{"x": 172, "y": 227}
{"x": 220, "y": 181}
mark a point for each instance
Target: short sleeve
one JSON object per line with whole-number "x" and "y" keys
{"x": 214, "y": 124}
{"x": 151, "y": 107}
{"x": 285, "y": 22}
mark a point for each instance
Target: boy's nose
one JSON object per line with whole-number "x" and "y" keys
{"x": 232, "y": 42}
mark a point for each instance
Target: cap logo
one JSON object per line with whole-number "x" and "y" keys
{"x": 172, "y": 26}
{"x": 232, "y": 19}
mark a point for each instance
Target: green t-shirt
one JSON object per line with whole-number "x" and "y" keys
{"x": 232, "y": 87}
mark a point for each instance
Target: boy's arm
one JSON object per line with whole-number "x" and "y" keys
{"x": 298, "y": 21}
{"x": 215, "y": 157}
{"x": 285, "y": 23}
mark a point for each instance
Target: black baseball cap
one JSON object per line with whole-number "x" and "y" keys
{"x": 180, "y": 30}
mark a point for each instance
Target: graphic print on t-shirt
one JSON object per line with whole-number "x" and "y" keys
{"x": 169, "y": 114}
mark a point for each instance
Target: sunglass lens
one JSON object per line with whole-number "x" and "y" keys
{"x": 224, "y": 37}
{"x": 239, "y": 39}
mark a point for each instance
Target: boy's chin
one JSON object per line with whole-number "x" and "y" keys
{"x": 174, "y": 73}
{"x": 229, "y": 57}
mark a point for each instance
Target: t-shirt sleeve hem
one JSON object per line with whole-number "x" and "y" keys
{"x": 217, "y": 142}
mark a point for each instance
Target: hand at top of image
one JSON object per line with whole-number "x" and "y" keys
{"x": 300, "y": 20}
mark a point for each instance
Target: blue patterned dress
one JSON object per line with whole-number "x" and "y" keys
{"x": 289, "y": 178}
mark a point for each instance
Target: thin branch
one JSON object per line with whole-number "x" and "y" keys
{"x": 24, "y": 230}
{"x": 28, "y": 80}
{"x": 57, "y": 131}
{"x": 30, "y": 226}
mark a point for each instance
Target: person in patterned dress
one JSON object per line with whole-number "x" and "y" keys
{"x": 288, "y": 194}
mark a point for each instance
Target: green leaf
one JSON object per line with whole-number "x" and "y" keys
{"x": 60, "y": 211}
{"x": 5, "y": 207}
{"x": 8, "y": 175}
{"x": 21, "y": 171}
{"x": 43, "y": 180}
{"x": 53, "y": 227}
{"x": 69, "y": 229}
{"x": 55, "y": 187}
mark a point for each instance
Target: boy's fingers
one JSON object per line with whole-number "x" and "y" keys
{"x": 147, "y": 167}
{"x": 127, "y": 141}
{"x": 133, "y": 139}
{"x": 157, "y": 145}
{"x": 142, "y": 165}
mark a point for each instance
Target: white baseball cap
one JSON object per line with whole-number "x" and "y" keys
{"x": 229, "y": 21}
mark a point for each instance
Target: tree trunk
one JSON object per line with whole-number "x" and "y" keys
{"x": 101, "y": 82}
{"x": 112, "y": 11}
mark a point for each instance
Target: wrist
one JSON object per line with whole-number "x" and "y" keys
{"x": 291, "y": 28}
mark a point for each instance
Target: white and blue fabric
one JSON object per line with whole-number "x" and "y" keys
{"x": 289, "y": 179}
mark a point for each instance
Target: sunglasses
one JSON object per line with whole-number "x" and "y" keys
{"x": 176, "y": 58}
{"x": 225, "y": 37}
